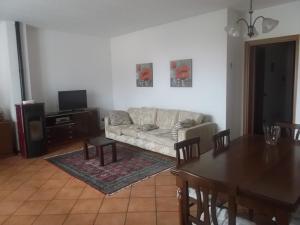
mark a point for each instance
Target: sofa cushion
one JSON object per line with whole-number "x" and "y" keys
{"x": 159, "y": 136}
{"x": 131, "y": 130}
{"x": 135, "y": 115}
{"x": 118, "y": 117}
{"x": 148, "y": 115}
{"x": 147, "y": 127}
{"x": 116, "y": 129}
{"x": 166, "y": 119}
{"x": 179, "y": 125}
{"x": 183, "y": 115}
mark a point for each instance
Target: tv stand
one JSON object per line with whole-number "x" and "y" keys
{"x": 70, "y": 126}
{"x": 72, "y": 110}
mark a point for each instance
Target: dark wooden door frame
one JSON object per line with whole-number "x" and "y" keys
{"x": 248, "y": 109}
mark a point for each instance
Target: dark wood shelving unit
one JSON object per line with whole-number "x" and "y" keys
{"x": 62, "y": 128}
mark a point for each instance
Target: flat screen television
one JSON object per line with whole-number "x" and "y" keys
{"x": 72, "y": 100}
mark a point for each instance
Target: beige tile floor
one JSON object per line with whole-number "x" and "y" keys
{"x": 34, "y": 192}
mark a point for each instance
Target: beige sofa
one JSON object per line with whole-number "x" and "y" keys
{"x": 160, "y": 140}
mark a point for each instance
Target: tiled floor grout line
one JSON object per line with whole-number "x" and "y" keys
{"x": 41, "y": 213}
{"x": 13, "y": 214}
{"x": 129, "y": 199}
{"x": 74, "y": 203}
{"x": 155, "y": 201}
{"x": 97, "y": 214}
{"x": 5, "y": 220}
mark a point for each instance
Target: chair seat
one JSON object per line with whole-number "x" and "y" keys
{"x": 222, "y": 216}
{"x": 222, "y": 213}
{"x": 295, "y": 219}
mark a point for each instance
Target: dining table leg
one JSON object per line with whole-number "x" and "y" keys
{"x": 181, "y": 209}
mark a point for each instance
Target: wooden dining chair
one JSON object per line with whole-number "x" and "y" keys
{"x": 289, "y": 130}
{"x": 206, "y": 210}
{"x": 187, "y": 150}
{"x": 221, "y": 141}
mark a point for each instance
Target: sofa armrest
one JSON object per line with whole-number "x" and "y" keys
{"x": 204, "y": 130}
{"x": 106, "y": 121}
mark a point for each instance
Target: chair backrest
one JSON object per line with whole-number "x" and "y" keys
{"x": 221, "y": 141}
{"x": 206, "y": 204}
{"x": 188, "y": 149}
{"x": 289, "y": 130}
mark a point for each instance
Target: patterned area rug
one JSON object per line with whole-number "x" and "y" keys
{"x": 132, "y": 166}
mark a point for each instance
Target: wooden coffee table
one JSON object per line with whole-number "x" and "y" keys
{"x": 99, "y": 143}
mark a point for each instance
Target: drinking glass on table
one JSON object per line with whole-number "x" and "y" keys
{"x": 271, "y": 133}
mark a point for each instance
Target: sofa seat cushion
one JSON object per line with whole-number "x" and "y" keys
{"x": 147, "y": 127}
{"x": 131, "y": 130}
{"x": 159, "y": 136}
{"x": 197, "y": 117}
{"x": 166, "y": 119}
{"x": 117, "y": 130}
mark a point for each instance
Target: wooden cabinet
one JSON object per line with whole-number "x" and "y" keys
{"x": 6, "y": 137}
{"x": 67, "y": 127}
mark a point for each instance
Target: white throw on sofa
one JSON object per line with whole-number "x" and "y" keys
{"x": 161, "y": 140}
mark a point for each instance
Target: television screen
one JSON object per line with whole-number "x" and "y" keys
{"x": 71, "y": 100}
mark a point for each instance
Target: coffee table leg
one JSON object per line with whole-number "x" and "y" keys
{"x": 86, "y": 151}
{"x": 97, "y": 152}
{"x": 101, "y": 156}
{"x": 114, "y": 153}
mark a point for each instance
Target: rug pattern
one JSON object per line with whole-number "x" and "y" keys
{"x": 132, "y": 166}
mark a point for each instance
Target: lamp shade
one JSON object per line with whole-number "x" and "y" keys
{"x": 233, "y": 30}
{"x": 269, "y": 24}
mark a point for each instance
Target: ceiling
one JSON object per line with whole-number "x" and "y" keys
{"x": 113, "y": 17}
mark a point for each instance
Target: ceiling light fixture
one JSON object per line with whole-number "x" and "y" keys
{"x": 268, "y": 24}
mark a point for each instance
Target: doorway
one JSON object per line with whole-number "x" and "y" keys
{"x": 271, "y": 83}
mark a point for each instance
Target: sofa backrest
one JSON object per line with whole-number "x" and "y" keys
{"x": 148, "y": 115}
{"x": 135, "y": 115}
{"x": 163, "y": 118}
{"x": 166, "y": 118}
{"x": 198, "y": 117}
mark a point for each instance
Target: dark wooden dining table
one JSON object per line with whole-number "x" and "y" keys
{"x": 267, "y": 177}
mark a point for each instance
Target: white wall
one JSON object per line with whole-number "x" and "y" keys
{"x": 4, "y": 68}
{"x": 234, "y": 101}
{"x": 10, "y": 92}
{"x": 201, "y": 38}
{"x": 64, "y": 61}
{"x": 289, "y": 17}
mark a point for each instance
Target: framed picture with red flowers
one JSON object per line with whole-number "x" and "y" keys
{"x": 181, "y": 73}
{"x": 144, "y": 75}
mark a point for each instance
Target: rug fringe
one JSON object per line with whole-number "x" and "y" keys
{"x": 133, "y": 184}
{"x": 63, "y": 153}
